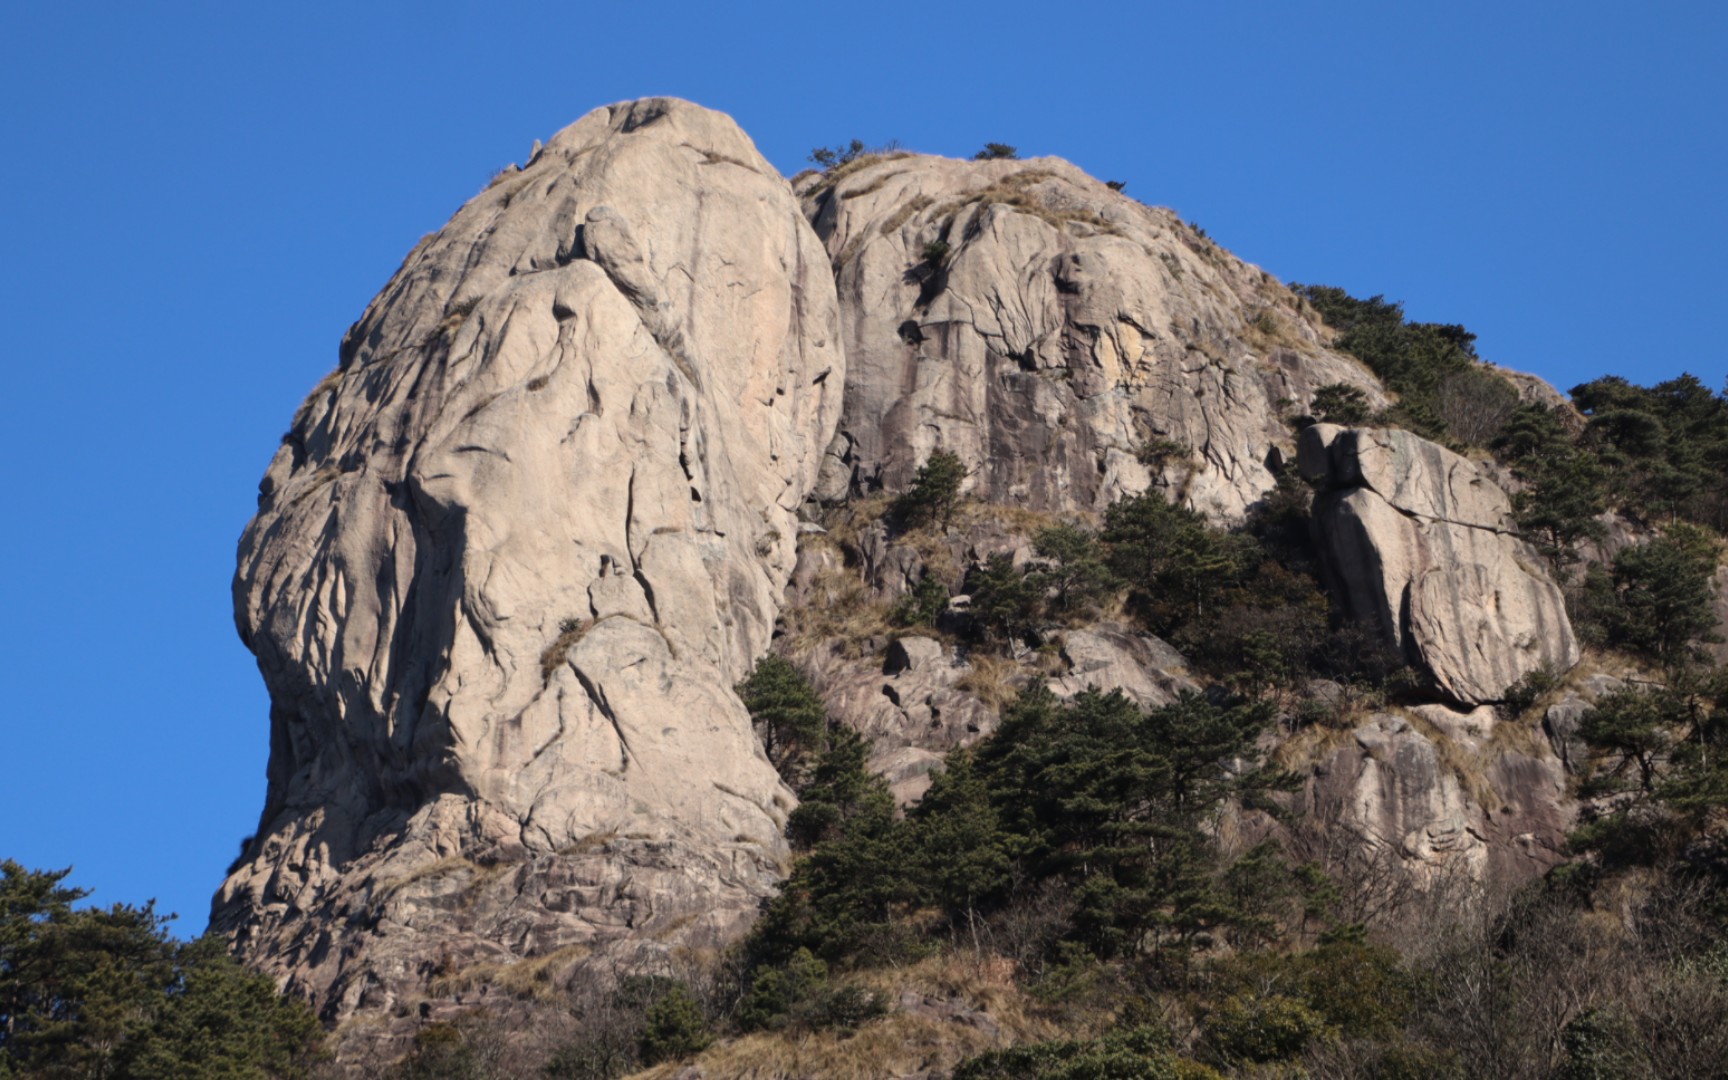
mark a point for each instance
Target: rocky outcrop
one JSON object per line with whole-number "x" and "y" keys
{"x": 516, "y": 550}
{"x": 1072, "y": 345}
{"x": 1431, "y": 799}
{"x": 1419, "y": 544}
{"x": 511, "y": 558}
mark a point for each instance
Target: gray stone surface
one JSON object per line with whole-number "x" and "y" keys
{"x": 1062, "y": 326}
{"x": 512, "y": 556}
{"x": 1418, "y": 543}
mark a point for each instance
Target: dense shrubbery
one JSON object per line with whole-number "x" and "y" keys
{"x": 1105, "y": 801}
{"x": 105, "y": 992}
{"x": 1444, "y": 391}
{"x": 1656, "y": 598}
{"x": 1662, "y": 450}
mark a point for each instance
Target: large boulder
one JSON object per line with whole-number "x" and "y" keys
{"x": 1069, "y": 343}
{"x": 1420, "y": 544}
{"x": 511, "y": 558}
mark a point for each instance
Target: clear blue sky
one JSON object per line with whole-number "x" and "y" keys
{"x": 198, "y": 199}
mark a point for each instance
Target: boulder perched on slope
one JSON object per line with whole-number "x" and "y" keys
{"x": 1419, "y": 543}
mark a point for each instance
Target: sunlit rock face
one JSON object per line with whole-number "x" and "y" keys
{"x": 514, "y": 553}
{"x": 1051, "y": 331}
{"x": 1420, "y": 543}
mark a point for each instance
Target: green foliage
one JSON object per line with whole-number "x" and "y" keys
{"x": 1663, "y": 449}
{"x": 1666, "y": 750}
{"x": 839, "y": 900}
{"x": 1634, "y": 726}
{"x": 1523, "y": 695}
{"x": 966, "y": 858}
{"x": 787, "y": 712}
{"x": 826, "y": 158}
{"x": 1111, "y": 801}
{"x": 1340, "y": 403}
{"x": 996, "y": 151}
{"x": 1076, "y": 572}
{"x": 778, "y": 992}
{"x": 442, "y": 1051}
{"x": 1137, "y": 1053}
{"x": 106, "y": 992}
{"x": 798, "y": 995}
{"x": 1175, "y": 564}
{"x": 1006, "y": 601}
{"x": 1563, "y": 493}
{"x": 675, "y": 1028}
{"x": 1271, "y": 631}
{"x": 840, "y": 793}
{"x": 935, "y": 491}
{"x": 221, "y": 1022}
{"x": 1114, "y": 800}
{"x": 924, "y": 604}
{"x": 1602, "y": 1045}
{"x": 1264, "y": 1028}
{"x": 1443, "y": 389}
{"x": 936, "y": 252}
{"x": 1658, "y": 600}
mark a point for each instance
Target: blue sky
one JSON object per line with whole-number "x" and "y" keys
{"x": 196, "y": 201}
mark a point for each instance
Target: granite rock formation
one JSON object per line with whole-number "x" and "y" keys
{"x": 1051, "y": 332}
{"x": 515, "y": 552}
{"x": 1419, "y": 543}
{"x": 511, "y": 558}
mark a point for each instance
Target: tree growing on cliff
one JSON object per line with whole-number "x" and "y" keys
{"x": 1660, "y": 600}
{"x": 788, "y": 713}
{"x": 935, "y": 491}
{"x": 1177, "y": 566}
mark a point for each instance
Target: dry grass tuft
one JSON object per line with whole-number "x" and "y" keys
{"x": 862, "y": 161}
{"x": 901, "y": 1043}
{"x": 587, "y": 845}
{"x": 534, "y": 978}
{"x": 844, "y": 613}
{"x": 570, "y": 631}
{"x": 904, "y": 213}
{"x": 1469, "y": 766}
{"x": 1316, "y": 743}
{"x": 993, "y": 679}
{"x": 450, "y": 864}
{"x": 1015, "y": 191}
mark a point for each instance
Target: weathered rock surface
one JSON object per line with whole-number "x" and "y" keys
{"x": 514, "y": 553}
{"x": 512, "y": 556}
{"x": 1046, "y": 329}
{"x": 1419, "y": 543}
{"x": 1439, "y": 806}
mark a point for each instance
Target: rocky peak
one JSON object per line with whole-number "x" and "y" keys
{"x": 1071, "y": 344}
{"x": 514, "y": 553}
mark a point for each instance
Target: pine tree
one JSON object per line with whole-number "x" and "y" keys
{"x": 788, "y": 712}
{"x": 935, "y": 491}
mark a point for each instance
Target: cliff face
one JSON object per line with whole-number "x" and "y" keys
{"x": 1050, "y": 330}
{"x": 514, "y": 553}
